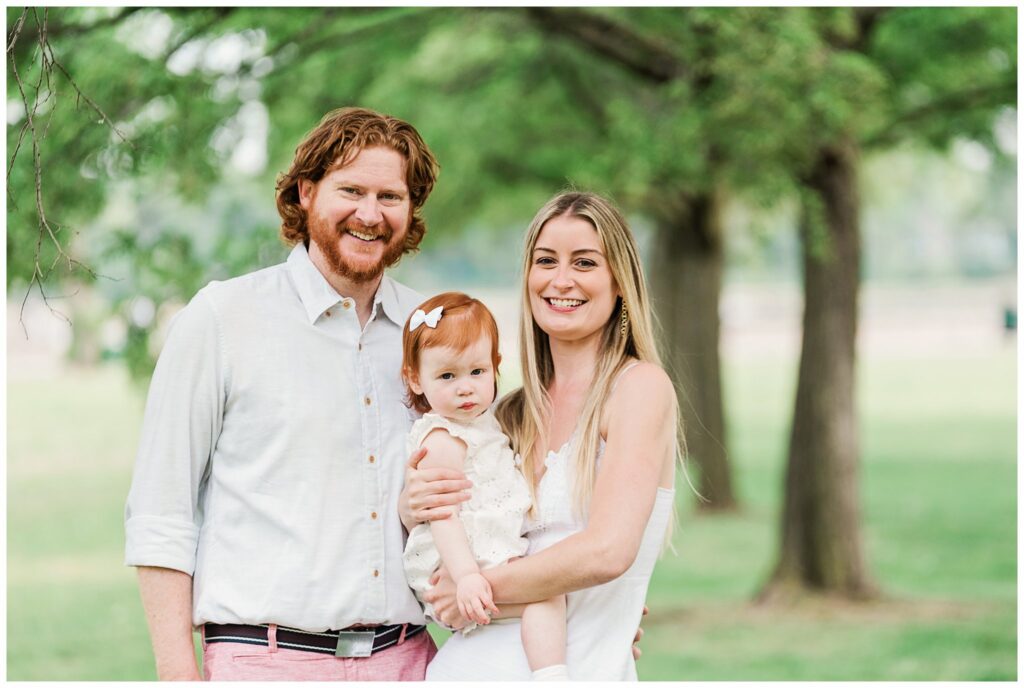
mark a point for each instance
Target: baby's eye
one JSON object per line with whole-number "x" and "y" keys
{"x": 447, "y": 376}
{"x": 477, "y": 371}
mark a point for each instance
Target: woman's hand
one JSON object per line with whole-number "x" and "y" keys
{"x": 430, "y": 494}
{"x": 473, "y": 594}
{"x": 442, "y": 596}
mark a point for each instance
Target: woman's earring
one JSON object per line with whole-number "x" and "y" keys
{"x": 624, "y": 326}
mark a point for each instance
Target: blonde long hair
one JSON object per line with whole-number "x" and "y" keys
{"x": 523, "y": 414}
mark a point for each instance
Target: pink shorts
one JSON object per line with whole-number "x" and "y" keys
{"x": 406, "y": 661}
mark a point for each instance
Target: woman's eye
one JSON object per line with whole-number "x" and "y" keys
{"x": 586, "y": 263}
{"x": 545, "y": 261}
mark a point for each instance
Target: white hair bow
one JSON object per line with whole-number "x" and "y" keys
{"x": 419, "y": 318}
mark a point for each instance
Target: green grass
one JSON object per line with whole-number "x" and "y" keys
{"x": 939, "y": 495}
{"x": 938, "y": 492}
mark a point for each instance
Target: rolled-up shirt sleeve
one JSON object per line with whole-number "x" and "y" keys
{"x": 182, "y": 421}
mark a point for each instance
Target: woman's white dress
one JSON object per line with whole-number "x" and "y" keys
{"x": 602, "y": 620}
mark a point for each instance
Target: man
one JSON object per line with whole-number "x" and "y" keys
{"x": 264, "y": 503}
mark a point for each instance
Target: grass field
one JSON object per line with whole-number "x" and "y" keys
{"x": 939, "y": 495}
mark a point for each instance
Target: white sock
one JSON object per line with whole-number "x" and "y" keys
{"x": 555, "y": 672}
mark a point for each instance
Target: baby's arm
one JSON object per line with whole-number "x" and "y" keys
{"x": 543, "y": 632}
{"x": 473, "y": 592}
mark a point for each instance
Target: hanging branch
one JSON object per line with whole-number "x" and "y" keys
{"x": 48, "y": 229}
{"x": 12, "y": 40}
{"x": 87, "y": 99}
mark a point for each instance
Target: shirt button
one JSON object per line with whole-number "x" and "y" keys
{"x": 366, "y": 401}
{"x": 373, "y": 515}
{"x": 346, "y": 304}
{"x": 376, "y": 573}
{"x": 372, "y": 458}
{"x": 327, "y": 313}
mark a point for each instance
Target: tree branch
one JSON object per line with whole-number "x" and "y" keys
{"x": 574, "y": 77}
{"x": 865, "y": 20}
{"x": 613, "y": 41}
{"x": 66, "y": 30}
{"x": 311, "y": 44}
{"x": 979, "y": 97}
{"x": 12, "y": 38}
{"x": 47, "y": 229}
{"x": 89, "y": 100}
{"x": 220, "y": 13}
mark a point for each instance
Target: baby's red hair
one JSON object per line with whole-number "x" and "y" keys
{"x": 464, "y": 321}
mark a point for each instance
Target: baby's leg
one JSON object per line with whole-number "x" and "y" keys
{"x": 543, "y": 632}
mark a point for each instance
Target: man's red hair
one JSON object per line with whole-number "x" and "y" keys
{"x": 334, "y": 143}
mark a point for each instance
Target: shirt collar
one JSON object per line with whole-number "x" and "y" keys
{"x": 387, "y": 297}
{"x": 317, "y": 294}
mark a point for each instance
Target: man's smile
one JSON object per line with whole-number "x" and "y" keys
{"x": 363, "y": 235}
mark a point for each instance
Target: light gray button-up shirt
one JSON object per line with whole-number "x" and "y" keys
{"x": 272, "y": 453}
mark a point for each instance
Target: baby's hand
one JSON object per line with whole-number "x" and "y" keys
{"x": 473, "y": 594}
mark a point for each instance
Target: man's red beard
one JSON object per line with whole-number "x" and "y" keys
{"x": 326, "y": 238}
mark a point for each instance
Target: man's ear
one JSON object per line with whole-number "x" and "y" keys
{"x": 307, "y": 190}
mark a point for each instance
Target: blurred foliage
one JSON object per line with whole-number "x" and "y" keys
{"x": 959, "y": 68}
{"x": 647, "y": 105}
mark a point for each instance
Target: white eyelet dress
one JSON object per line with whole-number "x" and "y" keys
{"x": 601, "y": 621}
{"x": 492, "y": 517}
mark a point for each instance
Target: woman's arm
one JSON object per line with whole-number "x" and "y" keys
{"x": 640, "y": 440}
{"x": 639, "y": 451}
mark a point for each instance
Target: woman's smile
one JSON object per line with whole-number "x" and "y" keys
{"x": 564, "y": 305}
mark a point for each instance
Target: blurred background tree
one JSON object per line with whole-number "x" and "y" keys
{"x": 143, "y": 144}
{"x": 875, "y": 91}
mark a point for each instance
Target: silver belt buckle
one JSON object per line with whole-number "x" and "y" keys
{"x": 354, "y": 644}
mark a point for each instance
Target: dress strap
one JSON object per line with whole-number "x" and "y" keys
{"x": 622, "y": 372}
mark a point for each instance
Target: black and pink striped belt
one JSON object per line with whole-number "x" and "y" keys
{"x": 357, "y": 641}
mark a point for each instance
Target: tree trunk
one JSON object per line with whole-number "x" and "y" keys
{"x": 688, "y": 279}
{"x": 821, "y": 548}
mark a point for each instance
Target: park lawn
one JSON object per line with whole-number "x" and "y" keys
{"x": 939, "y": 491}
{"x": 939, "y": 496}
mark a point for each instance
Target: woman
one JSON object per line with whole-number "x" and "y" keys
{"x": 596, "y": 426}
